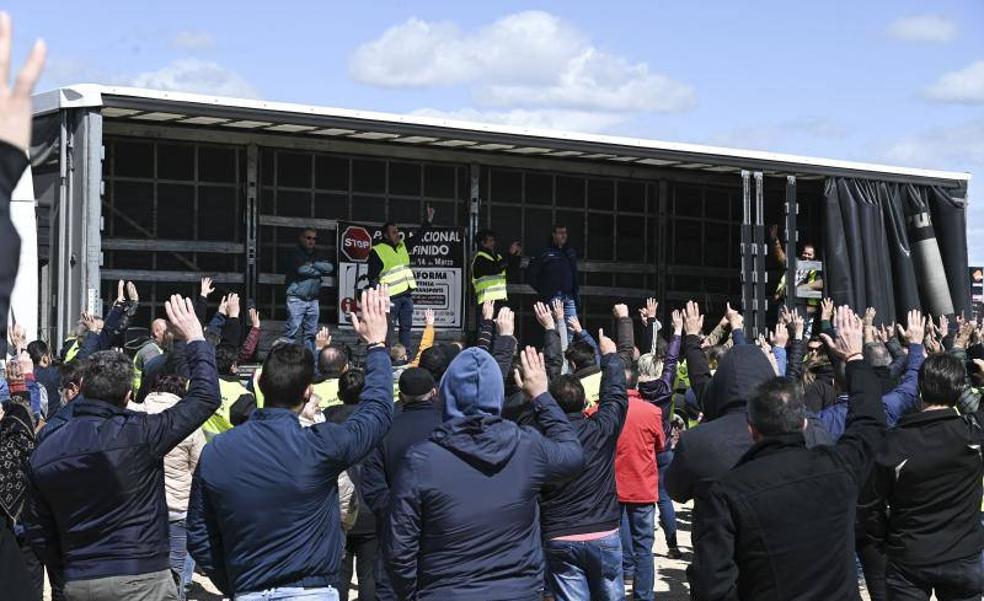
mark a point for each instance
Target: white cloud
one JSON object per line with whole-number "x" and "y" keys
{"x": 955, "y": 148}
{"x": 923, "y": 28}
{"x": 192, "y": 40}
{"x": 964, "y": 86}
{"x": 527, "y": 60}
{"x": 569, "y": 120}
{"x": 195, "y": 75}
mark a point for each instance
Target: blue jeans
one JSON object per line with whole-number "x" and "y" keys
{"x": 182, "y": 565}
{"x": 302, "y": 321}
{"x": 570, "y": 310}
{"x": 289, "y": 593}
{"x": 667, "y": 514}
{"x": 586, "y": 570}
{"x": 639, "y": 522}
{"x": 401, "y": 316}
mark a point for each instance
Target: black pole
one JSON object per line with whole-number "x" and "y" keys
{"x": 792, "y": 239}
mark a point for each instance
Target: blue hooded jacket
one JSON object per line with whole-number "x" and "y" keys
{"x": 478, "y": 475}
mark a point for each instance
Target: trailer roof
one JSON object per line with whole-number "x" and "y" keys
{"x": 238, "y": 114}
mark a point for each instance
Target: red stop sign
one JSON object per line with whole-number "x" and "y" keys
{"x": 356, "y": 243}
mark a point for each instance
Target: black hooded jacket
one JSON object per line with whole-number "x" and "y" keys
{"x": 714, "y": 447}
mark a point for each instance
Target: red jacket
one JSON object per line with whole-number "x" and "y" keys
{"x": 636, "y": 477}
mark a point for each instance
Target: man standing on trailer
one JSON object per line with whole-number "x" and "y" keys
{"x": 303, "y": 289}
{"x": 809, "y": 277}
{"x": 554, "y": 274}
{"x": 389, "y": 264}
{"x": 488, "y": 268}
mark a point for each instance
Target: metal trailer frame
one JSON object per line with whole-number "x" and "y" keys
{"x": 89, "y": 111}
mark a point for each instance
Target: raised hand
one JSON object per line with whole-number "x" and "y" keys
{"x": 131, "y": 292}
{"x": 505, "y": 322}
{"x": 735, "y": 319}
{"x": 944, "y": 328}
{"x": 620, "y": 310}
{"x": 15, "y": 102}
{"x": 373, "y": 323}
{"x": 799, "y": 325}
{"x": 429, "y": 318}
{"x": 544, "y": 316}
{"x": 322, "y": 338}
{"x": 488, "y": 310}
{"x": 515, "y": 248}
{"x": 533, "y": 380}
{"x": 648, "y": 313}
{"x": 605, "y": 344}
{"x": 915, "y": 333}
{"x": 223, "y": 305}
{"x": 693, "y": 321}
{"x": 18, "y": 337}
{"x": 232, "y": 305}
{"x": 964, "y": 334}
{"x": 207, "y": 287}
{"x": 869, "y": 317}
{"x": 677, "y": 319}
{"x": 849, "y": 343}
{"x": 826, "y": 309}
{"x": 181, "y": 315}
{"x": 254, "y": 317}
{"x": 88, "y": 321}
{"x": 430, "y": 213}
{"x": 774, "y": 232}
{"x": 575, "y": 324}
{"x": 120, "y": 286}
{"x": 780, "y": 336}
{"x": 557, "y": 306}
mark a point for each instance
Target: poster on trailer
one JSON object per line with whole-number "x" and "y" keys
{"x": 438, "y": 264}
{"x": 977, "y": 291}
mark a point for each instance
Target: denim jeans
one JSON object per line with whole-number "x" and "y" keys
{"x": 570, "y": 310}
{"x": 667, "y": 514}
{"x": 401, "y": 315}
{"x": 640, "y": 523}
{"x": 586, "y": 569}
{"x": 182, "y": 565}
{"x": 302, "y": 321}
{"x": 290, "y": 593}
{"x": 960, "y": 580}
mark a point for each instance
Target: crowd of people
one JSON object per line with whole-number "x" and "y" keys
{"x": 839, "y": 448}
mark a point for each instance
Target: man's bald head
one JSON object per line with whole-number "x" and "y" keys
{"x": 333, "y": 360}
{"x": 158, "y": 330}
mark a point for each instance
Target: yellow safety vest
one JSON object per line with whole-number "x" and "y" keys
{"x": 396, "y": 272}
{"x": 257, "y": 393}
{"x": 220, "y": 422}
{"x": 327, "y": 391}
{"x": 137, "y": 375}
{"x": 811, "y": 277}
{"x": 489, "y": 287}
{"x": 73, "y": 350}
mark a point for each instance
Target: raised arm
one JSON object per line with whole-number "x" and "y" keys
{"x": 697, "y": 368}
{"x": 614, "y": 400}
{"x": 552, "y": 354}
{"x": 658, "y": 391}
{"x": 168, "y": 428}
{"x": 248, "y": 349}
{"x": 624, "y": 333}
{"x": 350, "y": 441}
{"x": 504, "y": 347}
{"x": 560, "y": 449}
{"x": 905, "y": 397}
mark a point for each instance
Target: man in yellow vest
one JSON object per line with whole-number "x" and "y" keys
{"x": 389, "y": 264}
{"x": 233, "y": 393}
{"x": 809, "y": 277}
{"x": 488, "y": 268}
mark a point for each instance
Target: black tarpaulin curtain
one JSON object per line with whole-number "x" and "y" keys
{"x": 895, "y": 247}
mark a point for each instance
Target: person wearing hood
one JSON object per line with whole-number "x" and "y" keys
{"x": 780, "y": 524}
{"x": 554, "y": 274}
{"x": 179, "y": 465}
{"x": 479, "y": 477}
{"x": 713, "y": 447}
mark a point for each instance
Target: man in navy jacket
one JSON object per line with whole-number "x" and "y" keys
{"x": 554, "y": 274}
{"x": 478, "y": 476}
{"x": 264, "y": 511}
{"x": 97, "y": 508}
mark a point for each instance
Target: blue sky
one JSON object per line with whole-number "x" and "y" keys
{"x": 895, "y": 81}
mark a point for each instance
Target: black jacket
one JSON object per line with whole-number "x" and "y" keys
{"x": 587, "y": 502}
{"x": 412, "y": 423}
{"x": 780, "y": 525}
{"x": 928, "y": 485}
{"x": 482, "y": 266}
{"x": 713, "y": 447}
{"x": 13, "y": 161}
{"x": 123, "y": 529}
